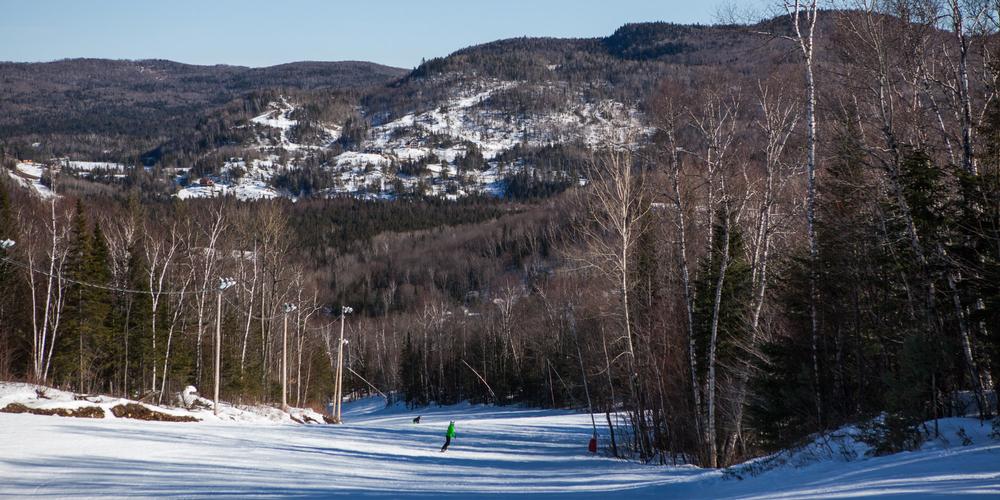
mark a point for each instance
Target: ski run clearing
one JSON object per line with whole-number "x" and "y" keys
{"x": 379, "y": 451}
{"x": 465, "y": 119}
{"x": 30, "y": 176}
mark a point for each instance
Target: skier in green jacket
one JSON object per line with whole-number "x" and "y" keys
{"x": 448, "y": 435}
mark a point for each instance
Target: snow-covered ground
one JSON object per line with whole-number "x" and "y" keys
{"x": 90, "y": 166}
{"x": 278, "y": 117}
{"x": 29, "y": 175}
{"x": 253, "y": 185}
{"x": 467, "y": 118}
{"x": 463, "y": 121}
{"x": 498, "y": 452}
{"x": 245, "y": 190}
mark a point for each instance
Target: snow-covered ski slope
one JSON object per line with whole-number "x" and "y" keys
{"x": 378, "y": 452}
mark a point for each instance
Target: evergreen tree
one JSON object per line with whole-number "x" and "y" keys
{"x": 736, "y": 293}
{"x": 410, "y": 377}
{"x": 729, "y": 310}
{"x": 8, "y": 283}
{"x": 137, "y": 322}
{"x": 97, "y": 307}
{"x": 855, "y": 283}
{"x": 69, "y": 359}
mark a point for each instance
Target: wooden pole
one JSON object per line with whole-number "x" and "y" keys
{"x": 338, "y": 392}
{"x": 284, "y": 364}
{"x": 218, "y": 349}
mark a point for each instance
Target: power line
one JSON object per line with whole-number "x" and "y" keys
{"x": 130, "y": 290}
{"x": 104, "y": 287}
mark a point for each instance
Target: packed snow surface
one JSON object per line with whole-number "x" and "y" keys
{"x": 498, "y": 452}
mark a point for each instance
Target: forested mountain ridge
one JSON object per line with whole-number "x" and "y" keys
{"x": 136, "y": 104}
{"x": 532, "y": 106}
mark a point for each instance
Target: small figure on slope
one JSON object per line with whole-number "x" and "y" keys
{"x": 448, "y": 435}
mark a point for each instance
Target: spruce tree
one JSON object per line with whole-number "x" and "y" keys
{"x": 409, "y": 375}
{"x": 97, "y": 306}
{"x": 736, "y": 293}
{"x": 8, "y": 281}
{"x": 137, "y": 318}
{"x": 69, "y": 361}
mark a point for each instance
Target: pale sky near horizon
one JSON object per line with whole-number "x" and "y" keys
{"x": 264, "y": 33}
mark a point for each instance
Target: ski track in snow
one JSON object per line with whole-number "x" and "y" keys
{"x": 498, "y": 452}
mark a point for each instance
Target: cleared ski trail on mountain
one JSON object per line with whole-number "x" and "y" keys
{"x": 498, "y": 452}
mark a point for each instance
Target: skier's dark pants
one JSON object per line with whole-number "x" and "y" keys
{"x": 447, "y": 441}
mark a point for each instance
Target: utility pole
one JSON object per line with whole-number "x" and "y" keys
{"x": 338, "y": 396}
{"x": 284, "y": 359}
{"x": 224, "y": 283}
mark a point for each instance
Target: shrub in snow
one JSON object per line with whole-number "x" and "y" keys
{"x": 141, "y": 412}
{"x": 891, "y": 434}
{"x": 964, "y": 436}
{"x": 82, "y": 412}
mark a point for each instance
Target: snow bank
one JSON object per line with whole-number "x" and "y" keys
{"x": 189, "y": 404}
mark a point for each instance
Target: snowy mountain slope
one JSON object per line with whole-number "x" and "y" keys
{"x": 423, "y": 152}
{"x": 147, "y": 98}
{"x": 279, "y": 117}
{"x": 435, "y": 140}
{"x": 468, "y": 118}
{"x": 498, "y": 452}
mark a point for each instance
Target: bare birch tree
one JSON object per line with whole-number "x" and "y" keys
{"x": 46, "y": 311}
{"x": 159, "y": 259}
{"x": 777, "y": 121}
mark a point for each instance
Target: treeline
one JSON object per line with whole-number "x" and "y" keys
{"x": 329, "y": 228}
{"x": 121, "y": 298}
{"x": 119, "y": 295}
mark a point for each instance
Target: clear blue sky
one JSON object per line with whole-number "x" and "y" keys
{"x": 263, "y": 33}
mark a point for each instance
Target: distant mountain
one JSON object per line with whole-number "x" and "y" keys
{"x": 145, "y": 99}
{"x": 512, "y": 117}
